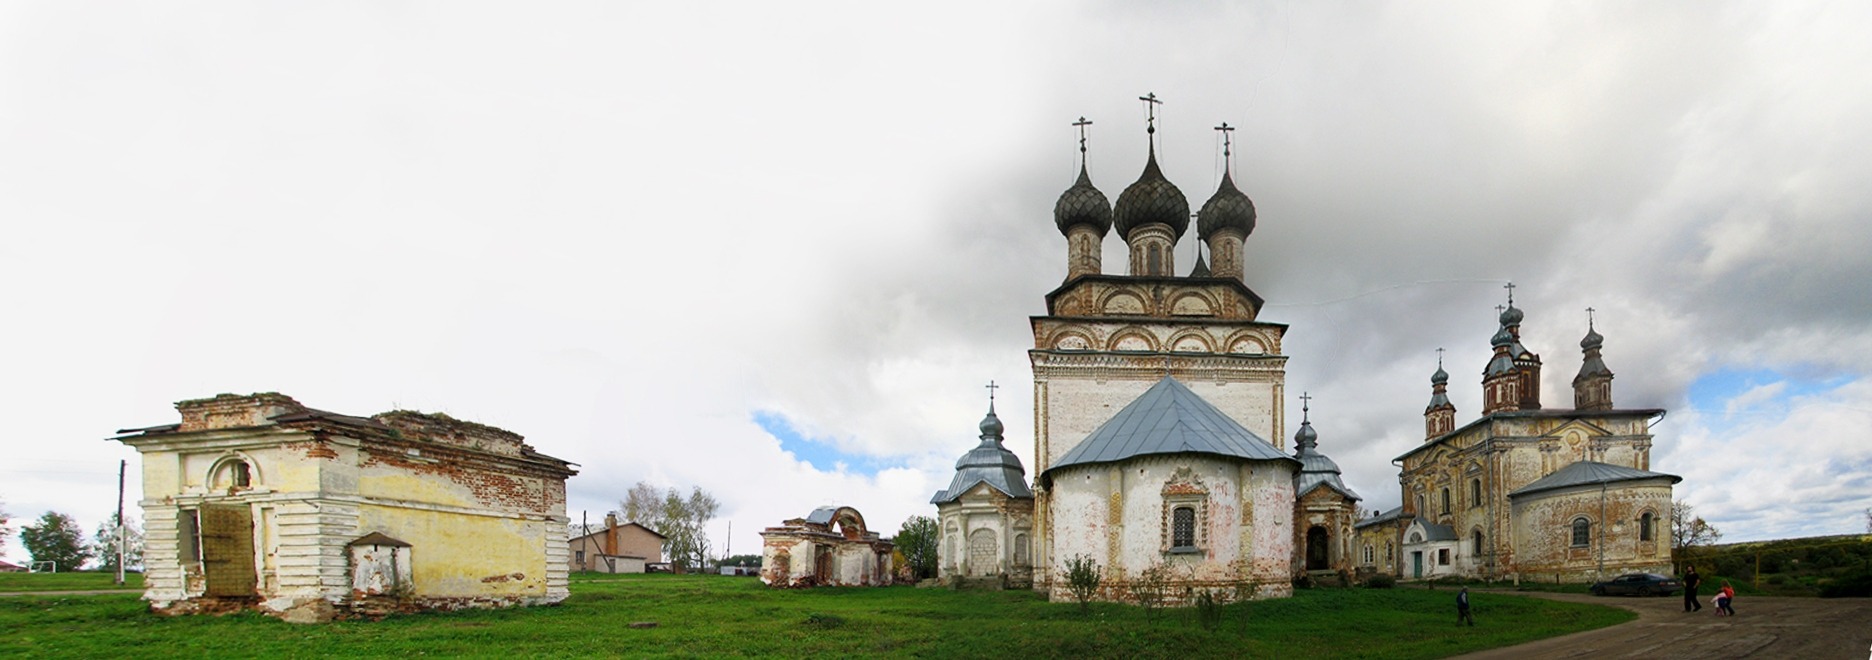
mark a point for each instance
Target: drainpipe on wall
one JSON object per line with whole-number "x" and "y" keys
{"x": 1600, "y": 574}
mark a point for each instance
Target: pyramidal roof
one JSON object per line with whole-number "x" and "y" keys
{"x": 1169, "y": 419}
{"x": 1590, "y": 472}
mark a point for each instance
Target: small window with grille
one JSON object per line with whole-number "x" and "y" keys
{"x": 1183, "y": 528}
{"x": 1582, "y": 532}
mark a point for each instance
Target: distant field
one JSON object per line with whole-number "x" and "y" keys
{"x": 718, "y": 616}
{"x": 67, "y": 581}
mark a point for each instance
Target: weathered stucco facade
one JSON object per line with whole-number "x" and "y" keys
{"x": 1529, "y": 492}
{"x": 1107, "y": 340}
{"x": 831, "y": 547}
{"x": 260, "y": 502}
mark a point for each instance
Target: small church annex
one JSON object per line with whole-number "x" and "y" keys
{"x": 259, "y": 502}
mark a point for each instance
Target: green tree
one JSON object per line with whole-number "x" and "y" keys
{"x": 683, "y": 521}
{"x": 5, "y": 529}
{"x": 1082, "y": 579}
{"x": 917, "y": 541}
{"x": 104, "y": 545}
{"x": 56, "y": 538}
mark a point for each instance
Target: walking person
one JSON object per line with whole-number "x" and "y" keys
{"x": 1691, "y": 580}
{"x": 1462, "y": 607}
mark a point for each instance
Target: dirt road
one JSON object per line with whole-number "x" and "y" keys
{"x": 1762, "y": 628}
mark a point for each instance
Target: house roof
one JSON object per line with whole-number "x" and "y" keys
{"x": 379, "y": 538}
{"x": 1388, "y": 516}
{"x": 1589, "y": 472}
{"x": 1169, "y": 419}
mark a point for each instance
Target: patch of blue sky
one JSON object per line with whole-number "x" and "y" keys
{"x": 1725, "y": 391}
{"x": 821, "y": 453}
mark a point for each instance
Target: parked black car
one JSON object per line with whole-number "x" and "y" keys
{"x": 1638, "y": 584}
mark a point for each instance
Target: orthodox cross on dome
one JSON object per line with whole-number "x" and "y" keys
{"x": 1589, "y": 318}
{"x": 1305, "y": 415}
{"x": 1150, "y": 114}
{"x": 1081, "y": 125}
{"x": 1226, "y": 129}
{"x": 1510, "y": 287}
{"x": 991, "y": 391}
{"x": 1499, "y": 309}
{"x": 1439, "y": 357}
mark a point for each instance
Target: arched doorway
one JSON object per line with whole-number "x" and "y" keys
{"x": 1318, "y": 549}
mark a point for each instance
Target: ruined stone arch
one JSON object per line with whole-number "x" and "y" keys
{"x": 1191, "y": 341}
{"x": 1123, "y": 303}
{"x": 234, "y": 470}
{"x": 1133, "y": 339}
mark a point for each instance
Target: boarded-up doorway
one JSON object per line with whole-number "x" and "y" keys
{"x": 1318, "y": 549}
{"x": 227, "y": 549}
{"x": 822, "y": 565}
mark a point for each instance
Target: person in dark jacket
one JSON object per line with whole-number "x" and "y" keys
{"x": 1691, "y": 580}
{"x": 1462, "y": 607}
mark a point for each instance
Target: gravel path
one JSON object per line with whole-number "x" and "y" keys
{"x": 1764, "y": 627}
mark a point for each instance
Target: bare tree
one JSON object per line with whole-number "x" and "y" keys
{"x": 7, "y": 530}
{"x": 1688, "y": 530}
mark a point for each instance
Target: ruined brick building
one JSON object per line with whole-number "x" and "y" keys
{"x": 1527, "y": 492}
{"x": 829, "y": 547}
{"x": 986, "y": 514}
{"x": 260, "y": 502}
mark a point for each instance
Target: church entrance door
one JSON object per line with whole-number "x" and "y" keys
{"x": 1416, "y": 559}
{"x": 1318, "y": 549}
{"x": 822, "y": 566}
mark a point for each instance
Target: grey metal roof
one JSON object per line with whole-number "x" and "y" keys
{"x": 822, "y": 515}
{"x": 988, "y": 463}
{"x": 1589, "y": 472}
{"x": 1316, "y": 470}
{"x": 1435, "y": 532}
{"x": 1388, "y": 516}
{"x": 1169, "y": 419}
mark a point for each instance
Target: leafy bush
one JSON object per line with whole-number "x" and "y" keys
{"x": 1082, "y": 578}
{"x": 1381, "y": 581}
{"x": 1208, "y": 609}
{"x": 1148, "y": 589}
{"x": 1857, "y": 585}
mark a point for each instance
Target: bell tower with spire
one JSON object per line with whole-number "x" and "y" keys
{"x": 1440, "y": 415}
{"x": 1592, "y": 388}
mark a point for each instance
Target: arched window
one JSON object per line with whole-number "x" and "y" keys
{"x": 1389, "y": 552}
{"x": 1420, "y": 506}
{"x": 1582, "y": 532}
{"x": 1446, "y": 500}
{"x": 243, "y": 475}
{"x": 1368, "y": 554}
{"x": 1476, "y": 549}
{"x": 1644, "y": 526}
{"x": 1475, "y": 492}
{"x": 1183, "y": 527}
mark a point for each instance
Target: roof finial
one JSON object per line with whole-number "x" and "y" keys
{"x": 1589, "y": 319}
{"x": 1082, "y": 124}
{"x": 991, "y": 392}
{"x": 1305, "y": 415}
{"x": 1510, "y": 287}
{"x": 1150, "y": 123}
{"x": 1439, "y": 357}
{"x": 1226, "y": 143}
{"x": 1499, "y": 308}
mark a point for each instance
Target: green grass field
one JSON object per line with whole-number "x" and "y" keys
{"x": 715, "y": 616}
{"x": 67, "y": 581}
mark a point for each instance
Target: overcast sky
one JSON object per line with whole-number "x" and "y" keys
{"x": 775, "y": 250}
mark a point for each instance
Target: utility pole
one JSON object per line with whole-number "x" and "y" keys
{"x": 121, "y": 465}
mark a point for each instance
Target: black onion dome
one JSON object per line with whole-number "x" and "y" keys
{"x": 1083, "y": 204}
{"x": 1441, "y": 377}
{"x": 1511, "y": 316}
{"x": 1592, "y": 340}
{"x": 1228, "y": 207}
{"x": 1153, "y": 199}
